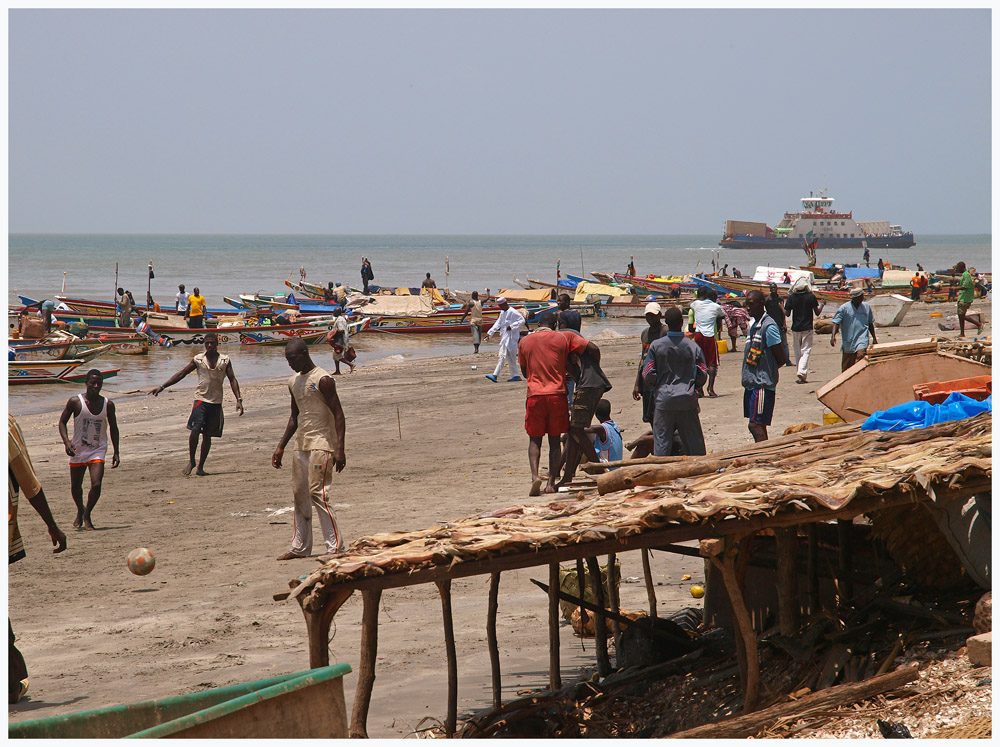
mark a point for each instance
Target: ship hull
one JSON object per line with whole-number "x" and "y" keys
{"x": 746, "y": 241}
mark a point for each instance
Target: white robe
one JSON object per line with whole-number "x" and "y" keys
{"x": 508, "y": 337}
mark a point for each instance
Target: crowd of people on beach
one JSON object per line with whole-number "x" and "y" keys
{"x": 566, "y": 392}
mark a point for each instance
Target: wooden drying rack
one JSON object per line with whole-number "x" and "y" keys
{"x": 721, "y": 542}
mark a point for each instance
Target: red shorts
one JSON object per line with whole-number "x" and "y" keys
{"x": 546, "y": 414}
{"x": 709, "y": 347}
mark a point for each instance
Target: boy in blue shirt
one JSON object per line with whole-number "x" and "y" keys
{"x": 607, "y": 435}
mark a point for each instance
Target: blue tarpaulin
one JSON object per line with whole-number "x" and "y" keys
{"x": 853, "y": 273}
{"x": 919, "y": 414}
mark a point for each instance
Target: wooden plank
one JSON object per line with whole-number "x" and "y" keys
{"x": 366, "y": 668}
{"x": 751, "y": 724}
{"x": 746, "y": 636}
{"x": 631, "y": 477}
{"x": 613, "y": 602}
{"x": 555, "y": 678}
{"x": 845, "y": 561}
{"x": 491, "y": 636}
{"x": 444, "y": 589}
{"x": 600, "y": 624}
{"x": 647, "y": 575}
{"x": 580, "y": 575}
{"x": 786, "y": 544}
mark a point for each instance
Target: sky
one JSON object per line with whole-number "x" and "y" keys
{"x": 664, "y": 121}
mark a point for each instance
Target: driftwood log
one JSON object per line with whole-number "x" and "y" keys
{"x": 630, "y": 477}
{"x": 753, "y": 723}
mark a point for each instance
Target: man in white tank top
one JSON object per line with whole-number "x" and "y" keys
{"x": 317, "y": 422}
{"x": 206, "y": 416}
{"x": 93, "y": 418}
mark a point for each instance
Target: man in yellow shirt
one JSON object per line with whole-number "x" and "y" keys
{"x": 195, "y": 313}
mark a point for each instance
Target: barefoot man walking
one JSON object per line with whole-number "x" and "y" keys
{"x": 93, "y": 418}
{"x": 206, "y": 416}
{"x": 317, "y": 422}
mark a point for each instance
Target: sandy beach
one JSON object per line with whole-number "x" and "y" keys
{"x": 427, "y": 441}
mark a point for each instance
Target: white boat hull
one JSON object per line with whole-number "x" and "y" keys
{"x": 889, "y": 310}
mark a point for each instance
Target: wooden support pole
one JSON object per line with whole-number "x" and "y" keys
{"x": 846, "y": 560}
{"x": 812, "y": 569}
{"x": 555, "y": 678}
{"x": 600, "y": 624}
{"x": 491, "y": 636}
{"x": 788, "y": 592}
{"x": 647, "y": 574}
{"x": 318, "y": 625}
{"x": 366, "y": 668}
{"x": 444, "y": 589}
{"x": 722, "y": 555}
{"x": 613, "y": 601}
{"x": 580, "y": 575}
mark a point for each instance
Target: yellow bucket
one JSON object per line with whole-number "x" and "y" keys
{"x": 935, "y": 314}
{"x": 829, "y": 418}
{"x": 723, "y": 346}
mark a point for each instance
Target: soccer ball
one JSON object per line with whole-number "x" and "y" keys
{"x": 140, "y": 561}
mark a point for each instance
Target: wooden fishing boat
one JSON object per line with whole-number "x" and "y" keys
{"x": 821, "y": 273}
{"x": 108, "y": 308}
{"x": 887, "y": 377}
{"x": 282, "y": 335}
{"x": 130, "y": 348}
{"x": 65, "y": 350}
{"x": 230, "y": 333}
{"x": 303, "y": 705}
{"x": 49, "y": 372}
{"x": 635, "y": 308}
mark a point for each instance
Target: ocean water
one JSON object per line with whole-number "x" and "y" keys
{"x": 227, "y": 265}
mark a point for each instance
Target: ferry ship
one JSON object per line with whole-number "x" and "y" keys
{"x": 818, "y": 225}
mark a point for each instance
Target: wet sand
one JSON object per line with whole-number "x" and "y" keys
{"x": 95, "y": 635}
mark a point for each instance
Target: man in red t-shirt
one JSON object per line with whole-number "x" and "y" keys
{"x": 542, "y": 358}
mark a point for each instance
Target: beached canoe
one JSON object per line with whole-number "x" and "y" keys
{"x": 889, "y": 310}
{"x": 50, "y": 372}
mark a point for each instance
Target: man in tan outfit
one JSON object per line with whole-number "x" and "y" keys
{"x": 317, "y": 421}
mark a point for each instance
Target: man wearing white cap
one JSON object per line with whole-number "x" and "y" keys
{"x": 508, "y": 324}
{"x": 858, "y": 322}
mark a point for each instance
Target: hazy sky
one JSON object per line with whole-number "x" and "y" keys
{"x": 507, "y": 121}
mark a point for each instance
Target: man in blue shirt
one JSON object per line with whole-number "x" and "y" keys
{"x": 858, "y": 322}
{"x": 763, "y": 356}
{"x": 674, "y": 368}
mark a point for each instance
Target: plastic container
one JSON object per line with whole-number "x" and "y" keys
{"x": 723, "y": 346}
{"x": 936, "y": 392}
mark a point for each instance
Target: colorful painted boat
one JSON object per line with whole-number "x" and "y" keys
{"x": 50, "y": 372}
{"x": 66, "y": 350}
{"x": 108, "y": 308}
